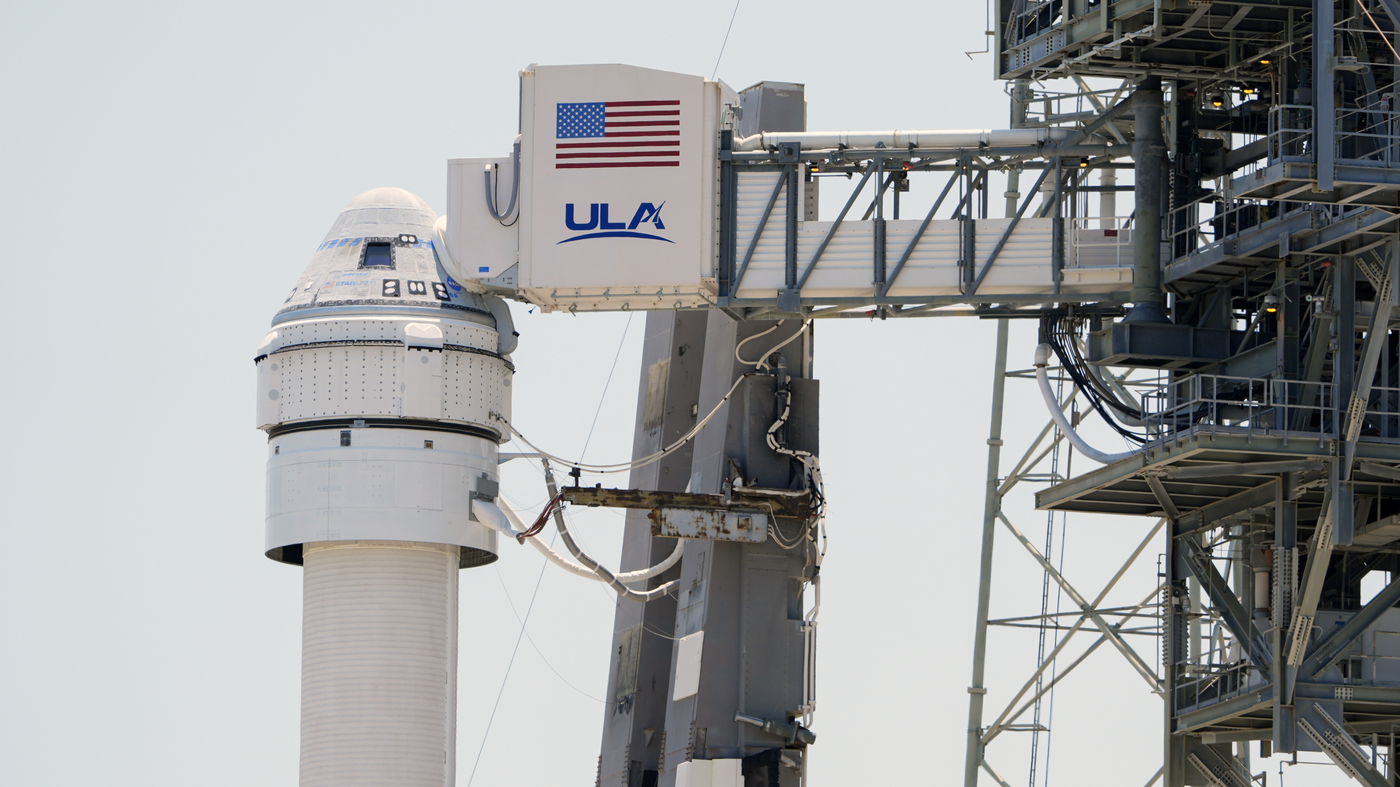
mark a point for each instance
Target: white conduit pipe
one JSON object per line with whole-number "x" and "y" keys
{"x": 379, "y": 664}
{"x": 606, "y": 575}
{"x": 968, "y": 138}
{"x": 1042, "y": 360}
{"x": 502, "y": 518}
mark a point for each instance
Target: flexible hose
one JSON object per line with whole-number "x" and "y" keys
{"x": 514, "y": 187}
{"x": 1042, "y": 376}
{"x": 624, "y": 576}
{"x": 502, "y": 518}
{"x": 587, "y": 560}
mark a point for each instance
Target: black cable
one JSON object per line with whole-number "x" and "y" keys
{"x": 1059, "y": 333}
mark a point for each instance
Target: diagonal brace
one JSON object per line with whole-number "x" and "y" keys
{"x": 1006, "y": 715}
{"x": 1234, "y": 615}
{"x": 1330, "y": 650}
{"x": 1005, "y": 236}
{"x": 918, "y": 236}
{"x": 758, "y": 231}
{"x": 1114, "y": 638}
{"x": 831, "y": 233}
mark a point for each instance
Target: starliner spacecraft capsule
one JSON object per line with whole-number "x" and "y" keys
{"x": 381, "y": 387}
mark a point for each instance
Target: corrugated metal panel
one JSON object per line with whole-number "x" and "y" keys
{"x": 379, "y": 664}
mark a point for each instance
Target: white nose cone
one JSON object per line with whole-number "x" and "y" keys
{"x": 379, "y": 253}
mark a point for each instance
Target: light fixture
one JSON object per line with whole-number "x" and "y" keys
{"x": 1217, "y": 100}
{"x": 1084, "y": 163}
{"x": 1248, "y": 90}
{"x": 1271, "y": 304}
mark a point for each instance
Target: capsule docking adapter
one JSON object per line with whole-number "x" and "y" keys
{"x": 377, "y": 387}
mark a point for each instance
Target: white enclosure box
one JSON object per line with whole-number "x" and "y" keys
{"x": 479, "y": 246}
{"x": 619, "y": 170}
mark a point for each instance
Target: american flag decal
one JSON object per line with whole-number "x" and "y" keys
{"x": 603, "y": 134}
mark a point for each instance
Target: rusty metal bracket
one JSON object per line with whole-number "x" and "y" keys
{"x": 775, "y": 502}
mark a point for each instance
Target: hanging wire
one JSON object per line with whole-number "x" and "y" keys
{"x": 726, "y": 39}
{"x": 538, "y": 580}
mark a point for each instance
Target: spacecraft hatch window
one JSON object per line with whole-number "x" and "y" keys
{"x": 378, "y": 255}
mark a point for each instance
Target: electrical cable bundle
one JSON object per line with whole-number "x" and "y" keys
{"x": 1060, "y": 333}
{"x": 540, "y": 521}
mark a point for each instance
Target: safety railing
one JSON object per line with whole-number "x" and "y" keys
{"x": 1382, "y": 419}
{"x": 1290, "y": 134}
{"x": 1218, "y": 685}
{"x": 1030, "y": 19}
{"x": 1100, "y": 242}
{"x": 1364, "y": 136}
{"x": 1208, "y": 220}
{"x": 1241, "y": 405}
{"x": 1368, "y": 137}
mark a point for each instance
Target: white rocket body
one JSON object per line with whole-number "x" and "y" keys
{"x": 377, "y": 387}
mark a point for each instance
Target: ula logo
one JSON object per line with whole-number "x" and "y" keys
{"x": 597, "y": 224}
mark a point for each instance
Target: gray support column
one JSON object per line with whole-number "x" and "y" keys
{"x": 1149, "y": 165}
{"x": 1324, "y": 95}
{"x": 746, "y": 598}
{"x": 640, "y": 669}
{"x": 1285, "y": 731}
{"x": 1176, "y": 649}
{"x": 991, "y": 506}
{"x": 1344, "y": 361}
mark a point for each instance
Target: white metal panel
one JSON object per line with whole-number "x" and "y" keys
{"x": 766, "y": 270}
{"x": 379, "y": 656}
{"x": 727, "y": 773}
{"x": 291, "y": 334}
{"x": 694, "y": 773}
{"x": 423, "y": 384}
{"x": 633, "y": 251}
{"x": 385, "y": 484}
{"x": 710, "y": 773}
{"x": 638, "y": 261}
{"x": 268, "y": 383}
{"x": 324, "y": 382}
{"x": 479, "y": 246}
{"x": 468, "y": 335}
{"x": 474, "y": 386}
{"x": 689, "y": 650}
{"x": 846, "y": 267}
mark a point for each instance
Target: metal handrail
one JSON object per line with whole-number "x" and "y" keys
{"x": 1254, "y": 406}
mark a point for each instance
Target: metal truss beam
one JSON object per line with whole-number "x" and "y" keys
{"x": 1147, "y": 673}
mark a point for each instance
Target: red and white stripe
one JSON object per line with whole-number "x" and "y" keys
{"x": 638, "y": 134}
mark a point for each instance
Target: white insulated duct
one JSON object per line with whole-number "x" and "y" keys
{"x": 379, "y": 664}
{"x": 968, "y": 138}
{"x": 503, "y": 519}
{"x": 1042, "y": 377}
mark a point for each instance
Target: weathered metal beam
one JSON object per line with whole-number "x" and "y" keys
{"x": 1261, "y": 496}
{"x": 1221, "y": 711}
{"x": 780, "y": 502}
{"x": 1241, "y": 468}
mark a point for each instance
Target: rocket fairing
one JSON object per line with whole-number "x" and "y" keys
{"x": 378, "y": 387}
